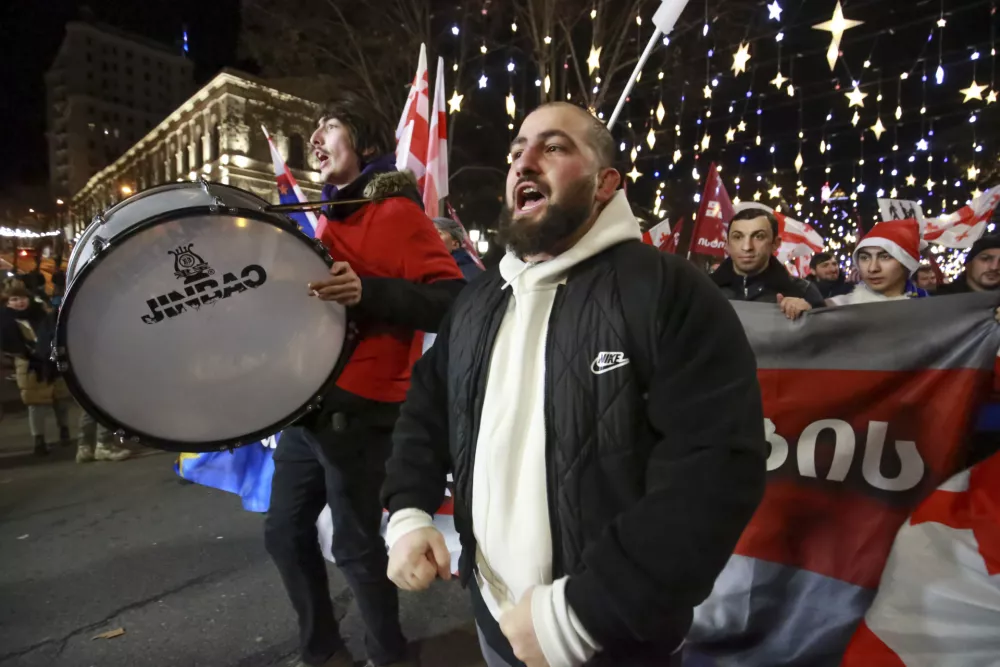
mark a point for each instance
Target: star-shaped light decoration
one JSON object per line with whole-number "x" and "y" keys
{"x": 634, "y": 174}
{"x": 911, "y": 180}
{"x": 973, "y": 92}
{"x": 779, "y": 81}
{"x": 774, "y": 192}
{"x": 707, "y": 90}
{"x": 742, "y": 127}
{"x": 992, "y": 97}
{"x": 856, "y": 98}
{"x": 730, "y": 135}
{"x": 894, "y": 193}
{"x": 740, "y": 58}
{"x": 801, "y": 191}
{"x": 942, "y": 22}
{"x": 594, "y": 60}
{"x": 677, "y": 156}
{"x": 483, "y": 80}
{"x": 836, "y": 27}
{"x": 651, "y": 138}
{"x": 634, "y": 154}
{"x": 929, "y": 184}
{"x": 660, "y": 112}
{"x": 976, "y": 193}
{"x": 973, "y": 172}
{"x": 791, "y": 90}
{"x": 706, "y": 141}
{"x": 455, "y": 103}
{"x": 774, "y": 11}
{"x": 922, "y": 145}
{"x": 878, "y": 128}
{"x": 511, "y": 106}
{"x": 855, "y": 119}
{"x": 799, "y": 162}
{"x": 756, "y": 196}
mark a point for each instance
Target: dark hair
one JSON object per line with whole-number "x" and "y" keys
{"x": 370, "y": 133}
{"x": 924, "y": 268}
{"x": 818, "y": 259}
{"x": 753, "y": 213}
{"x": 598, "y": 135}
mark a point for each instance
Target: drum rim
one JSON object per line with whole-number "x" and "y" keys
{"x": 61, "y": 351}
{"x": 142, "y": 194}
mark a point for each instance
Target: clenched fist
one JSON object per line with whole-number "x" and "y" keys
{"x": 417, "y": 558}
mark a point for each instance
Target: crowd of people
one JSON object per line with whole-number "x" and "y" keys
{"x": 887, "y": 260}
{"x": 27, "y": 331}
{"x": 572, "y": 393}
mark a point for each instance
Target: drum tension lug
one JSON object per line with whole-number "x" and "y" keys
{"x": 99, "y": 244}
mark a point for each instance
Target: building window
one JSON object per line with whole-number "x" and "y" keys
{"x": 215, "y": 143}
{"x": 296, "y": 152}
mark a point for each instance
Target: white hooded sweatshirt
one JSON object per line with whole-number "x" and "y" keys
{"x": 509, "y": 499}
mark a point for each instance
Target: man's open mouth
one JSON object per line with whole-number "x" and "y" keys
{"x": 322, "y": 158}
{"x": 528, "y": 197}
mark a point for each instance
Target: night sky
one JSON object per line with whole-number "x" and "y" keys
{"x": 31, "y": 32}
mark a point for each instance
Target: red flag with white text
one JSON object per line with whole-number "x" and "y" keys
{"x": 716, "y": 210}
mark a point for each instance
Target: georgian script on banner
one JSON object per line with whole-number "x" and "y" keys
{"x": 867, "y": 409}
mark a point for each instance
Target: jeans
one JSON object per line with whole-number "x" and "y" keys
{"x": 36, "y": 415}
{"x": 343, "y": 466}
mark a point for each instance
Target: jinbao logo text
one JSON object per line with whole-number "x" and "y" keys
{"x": 200, "y": 289}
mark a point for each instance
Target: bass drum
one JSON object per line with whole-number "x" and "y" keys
{"x": 187, "y": 323}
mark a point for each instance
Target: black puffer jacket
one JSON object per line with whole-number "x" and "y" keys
{"x": 653, "y": 470}
{"x": 765, "y": 286}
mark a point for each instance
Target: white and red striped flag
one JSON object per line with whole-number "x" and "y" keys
{"x": 436, "y": 182}
{"x": 413, "y": 130}
{"x": 963, "y": 227}
{"x": 658, "y": 236}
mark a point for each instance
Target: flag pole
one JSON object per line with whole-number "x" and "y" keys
{"x": 664, "y": 19}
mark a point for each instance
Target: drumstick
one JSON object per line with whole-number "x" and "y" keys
{"x": 313, "y": 205}
{"x": 665, "y": 18}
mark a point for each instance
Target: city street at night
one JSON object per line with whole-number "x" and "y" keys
{"x": 181, "y": 568}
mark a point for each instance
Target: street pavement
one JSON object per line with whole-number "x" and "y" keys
{"x": 86, "y": 549}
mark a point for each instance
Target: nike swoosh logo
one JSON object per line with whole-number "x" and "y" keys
{"x": 599, "y": 368}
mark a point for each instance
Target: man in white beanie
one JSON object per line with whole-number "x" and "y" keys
{"x": 886, "y": 258}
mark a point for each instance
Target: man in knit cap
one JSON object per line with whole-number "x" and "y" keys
{"x": 982, "y": 269}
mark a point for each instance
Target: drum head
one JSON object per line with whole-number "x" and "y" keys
{"x": 197, "y": 333}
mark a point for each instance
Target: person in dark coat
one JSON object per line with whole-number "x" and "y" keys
{"x": 982, "y": 269}
{"x": 827, "y": 276}
{"x": 597, "y": 403}
{"x": 454, "y": 240}
{"x": 752, "y": 273}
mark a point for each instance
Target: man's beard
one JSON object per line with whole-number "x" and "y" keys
{"x": 543, "y": 237}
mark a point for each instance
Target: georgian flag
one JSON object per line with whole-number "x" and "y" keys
{"x": 413, "y": 131}
{"x": 436, "y": 183}
{"x": 963, "y": 227}
{"x": 658, "y": 236}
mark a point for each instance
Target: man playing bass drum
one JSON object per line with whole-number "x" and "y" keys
{"x": 395, "y": 276}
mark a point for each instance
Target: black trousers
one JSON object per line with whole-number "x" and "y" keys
{"x": 341, "y": 462}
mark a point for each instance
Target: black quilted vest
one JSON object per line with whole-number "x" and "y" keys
{"x": 597, "y": 438}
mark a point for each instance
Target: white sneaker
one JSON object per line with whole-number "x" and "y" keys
{"x": 111, "y": 453}
{"x": 84, "y": 454}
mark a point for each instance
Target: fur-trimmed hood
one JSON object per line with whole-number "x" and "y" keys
{"x": 378, "y": 180}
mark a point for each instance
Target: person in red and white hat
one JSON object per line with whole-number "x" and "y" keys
{"x": 886, "y": 259}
